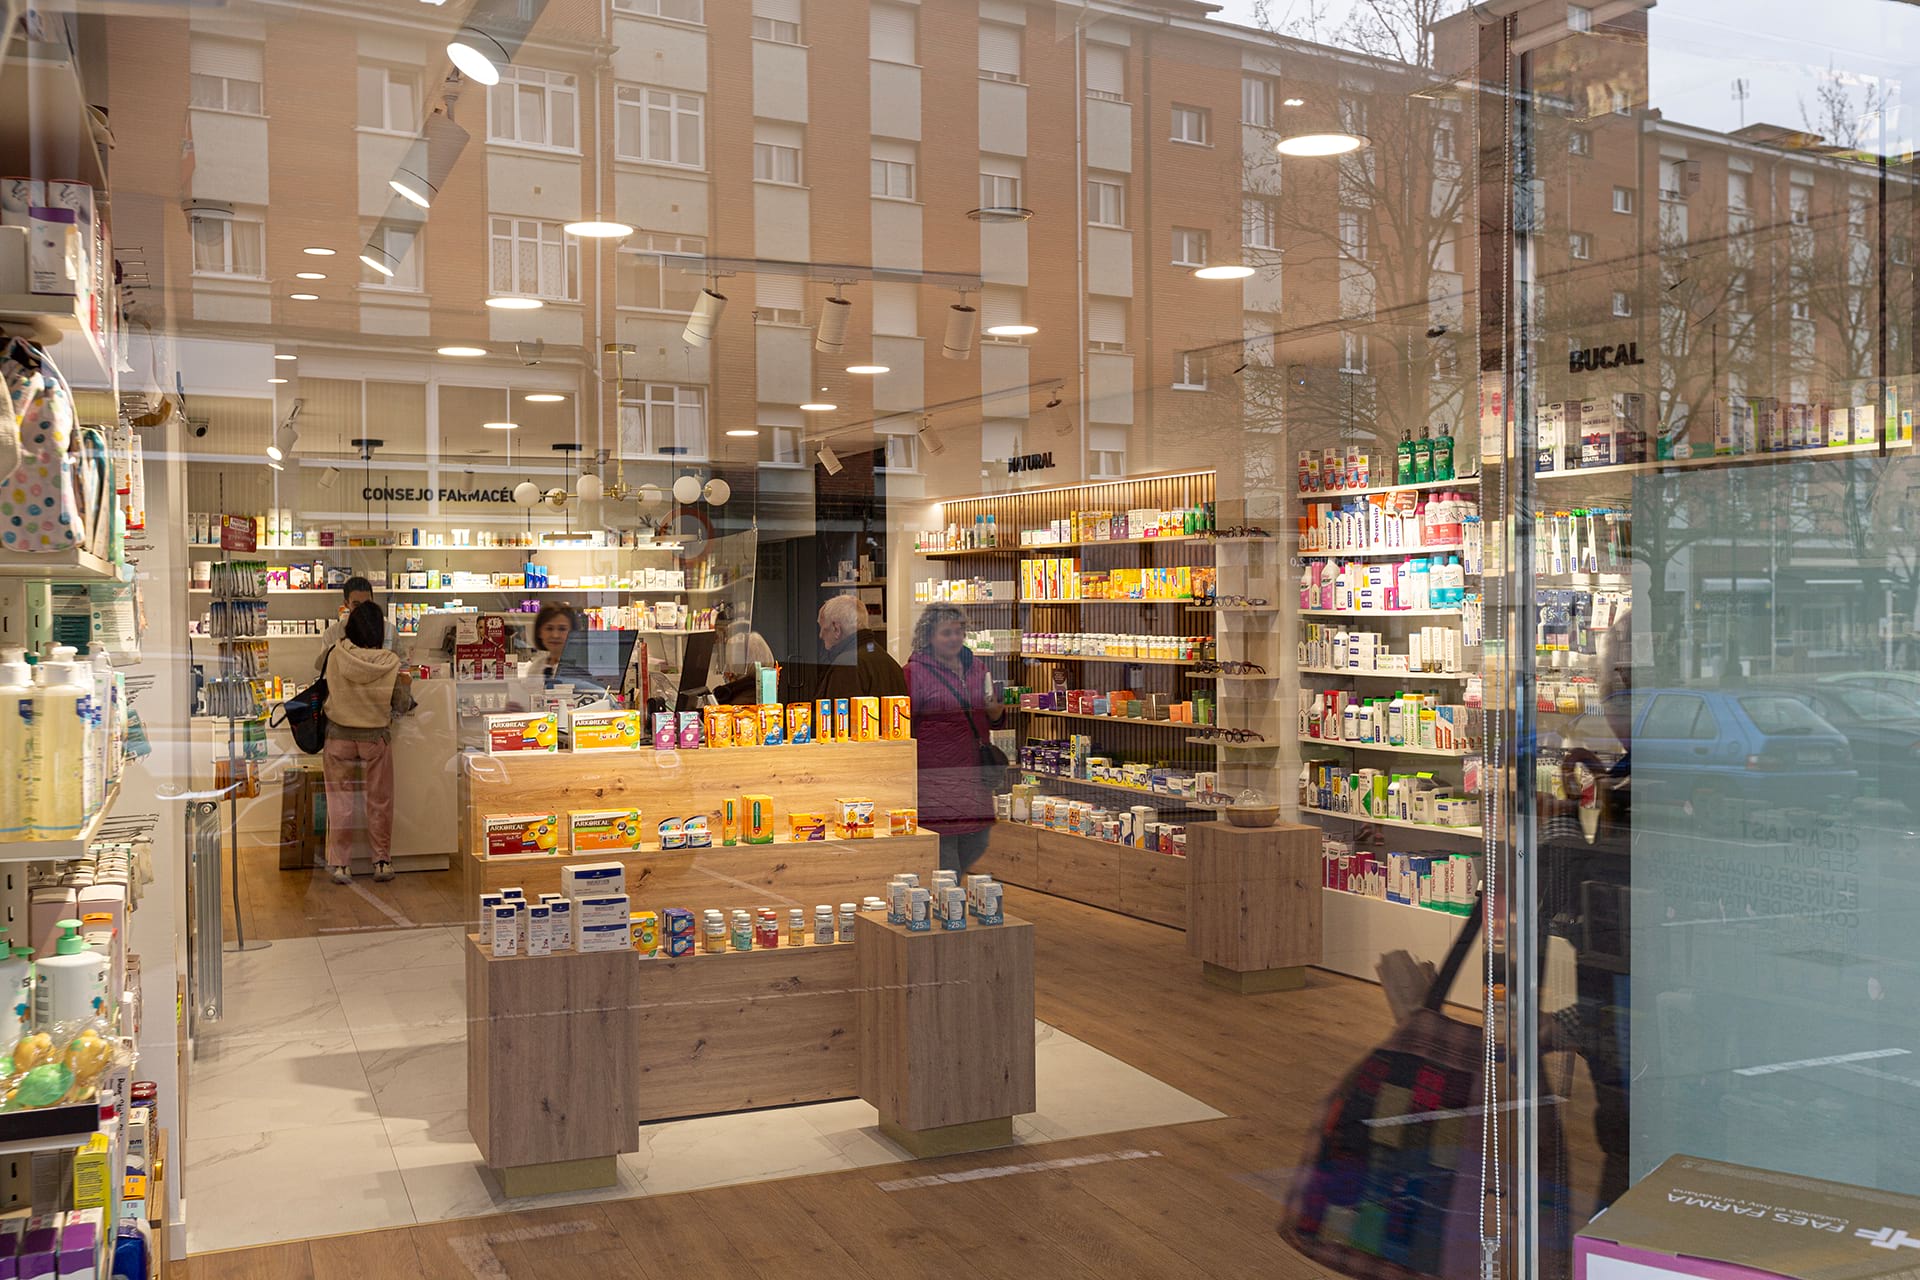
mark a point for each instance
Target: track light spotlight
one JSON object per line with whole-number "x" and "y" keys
{"x": 705, "y": 318}
{"x": 963, "y": 322}
{"x": 830, "y": 334}
{"x": 829, "y": 460}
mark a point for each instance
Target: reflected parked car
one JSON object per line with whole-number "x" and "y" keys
{"x": 1883, "y": 729}
{"x": 1757, "y": 745}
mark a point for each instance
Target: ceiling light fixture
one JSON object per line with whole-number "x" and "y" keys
{"x": 1320, "y": 144}
{"x": 285, "y": 356}
{"x": 744, "y": 433}
{"x": 1293, "y": 102}
{"x": 543, "y": 397}
{"x": 817, "y": 406}
{"x": 515, "y": 304}
{"x": 963, "y": 322}
{"x": 868, "y": 368}
{"x": 830, "y": 331}
{"x": 317, "y": 251}
{"x": 309, "y": 275}
{"x": 500, "y": 426}
{"x": 376, "y": 258}
{"x": 304, "y": 297}
{"x": 478, "y": 55}
{"x": 276, "y": 381}
{"x": 829, "y": 460}
{"x": 429, "y": 159}
{"x": 274, "y": 465}
{"x": 686, "y": 490}
{"x": 1222, "y": 273}
{"x": 1012, "y": 330}
{"x": 284, "y": 439}
{"x": 463, "y": 351}
{"x": 598, "y": 229}
{"x": 707, "y": 310}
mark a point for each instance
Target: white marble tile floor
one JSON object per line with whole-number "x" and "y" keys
{"x": 341, "y": 1067}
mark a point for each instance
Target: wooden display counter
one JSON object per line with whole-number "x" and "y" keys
{"x": 1116, "y": 877}
{"x": 1254, "y": 904}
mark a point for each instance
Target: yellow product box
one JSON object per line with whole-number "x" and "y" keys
{"x": 604, "y": 830}
{"x": 823, "y": 720}
{"x": 606, "y": 731}
{"x": 773, "y": 725}
{"x": 719, "y": 726}
{"x": 644, "y": 928}
{"x": 799, "y": 723}
{"x": 807, "y": 826}
{"x": 746, "y": 727}
{"x": 903, "y": 822}
{"x": 843, "y": 719}
{"x": 507, "y": 834}
{"x": 756, "y": 813}
{"x": 523, "y": 731}
{"x": 896, "y": 716}
{"x": 730, "y": 821}
{"x": 856, "y": 818}
{"x": 866, "y": 719}
{"x": 92, "y": 1166}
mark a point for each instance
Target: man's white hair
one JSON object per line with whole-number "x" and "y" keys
{"x": 844, "y": 612}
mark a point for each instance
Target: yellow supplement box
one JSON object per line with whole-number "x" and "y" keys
{"x": 896, "y": 716}
{"x": 866, "y": 719}
{"x": 730, "y": 821}
{"x": 644, "y": 928}
{"x": 856, "y": 818}
{"x": 508, "y": 834}
{"x": 604, "y": 830}
{"x": 843, "y": 719}
{"x": 719, "y": 726}
{"x": 746, "y": 727}
{"x": 756, "y": 814}
{"x": 823, "y": 720}
{"x": 523, "y": 731}
{"x": 773, "y": 725}
{"x": 799, "y": 723}
{"x": 903, "y": 822}
{"x": 807, "y": 826}
{"x": 606, "y": 731}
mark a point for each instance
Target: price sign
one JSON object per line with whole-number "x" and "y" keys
{"x": 237, "y": 533}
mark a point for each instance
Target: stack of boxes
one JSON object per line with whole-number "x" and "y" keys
{"x": 1438, "y": 882}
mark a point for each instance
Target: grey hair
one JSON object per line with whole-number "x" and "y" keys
{"x": 931, "y": 619}
{"x": 844, "y": 610}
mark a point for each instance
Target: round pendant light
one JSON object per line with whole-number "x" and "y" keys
{"x": 1320, "y": 144}
{"x": 1222, "y": 273}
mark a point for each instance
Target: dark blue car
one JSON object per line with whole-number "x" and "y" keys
{"x": 1759, "y": 746}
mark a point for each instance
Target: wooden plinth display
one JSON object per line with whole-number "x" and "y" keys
{"x": 549, "y": 1089}
{"x": 1135, "y": 882}
{"x": 1253, "y": 904}
{"x": 946, "y": 1048}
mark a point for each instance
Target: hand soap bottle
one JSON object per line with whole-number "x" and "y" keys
{"x": 16, "y": 688}
{"x": 57, "y": 739}
{"x": 71, "y": 984}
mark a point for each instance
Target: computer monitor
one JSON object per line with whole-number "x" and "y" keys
{"x": 694, "y": 666}
{"x": 601, "y": 655}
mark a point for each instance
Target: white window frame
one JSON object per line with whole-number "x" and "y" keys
{"x": 1095, "y": 199}
{"x": 1623, "y": 200}
{"x": 899, "y": 452}
{"x": 409, "y": 276}
{"x": 653, "y": 8}
{"x": 1106, "y": 51}
{"x": 1259, "y": 97}
{"x": 656, "y": 244}
{"x": 1117, "y": 306}
{"x": 1579, "y": 142}
{"x": 1001, "y": 31}
{"x": 542, "y": 235}
{"x": 211, "y": 90}
{"x": 893, "y": 171}
{"x": 1353, "y": 230}
{"x": 1579, "y": 18}
{"x": 1579, "y": 245}
{"x": 555, "y": 88}
{"x": 1800, "y": 309}
{"x": 389, "y": 74}
{"x": 671, "y": 400}
{"x": 1259, "y": 219}
{"x": 639, "y": 103}
{"x": 1444, "y": 141}
{"x": 227, "y": 228}
{"x": 1622, "y": 303}
{"x": 901, "y": 12}
{"x": 1181, "y": 116}
{"x": 1353, "y": 345}
{"x": 1190, "y": 371}
{"x": 1190, "y": 246}
{"x": 780, "y": 163}
{"x": 1000, "y": 189}
{"x": 776, "y": 30}
{"x": 199, "y": 80}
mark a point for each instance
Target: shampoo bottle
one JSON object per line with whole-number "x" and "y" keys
{"x": 57, "y": 741}
{"x": 16, "y": 690}
{"x": 71, "y": 984}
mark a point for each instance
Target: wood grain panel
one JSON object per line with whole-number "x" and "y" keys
{"x": 1079, "y": 868}
{"x": 946, "y": 1022}
{"x": 1254, "y": 895}
{"x": 782, "y": 875}
{"x": 729, "y": 1032}
{"x": 1153, "y": 886}
{"x": 541, "y": 1085}
{"x": 1012, "y": 856}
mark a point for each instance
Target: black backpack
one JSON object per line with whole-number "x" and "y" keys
{"x": 305, "y": 713}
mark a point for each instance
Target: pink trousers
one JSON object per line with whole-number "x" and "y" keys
{"x": 343, "y": 761}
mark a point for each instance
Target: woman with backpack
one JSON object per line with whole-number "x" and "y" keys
{"x": 366, "y": 689}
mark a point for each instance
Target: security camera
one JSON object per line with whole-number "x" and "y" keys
{"x": 198, "y": 426}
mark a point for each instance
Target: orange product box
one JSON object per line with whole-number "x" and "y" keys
{"x": 866, "y": 718}
{"x": 799, "y": 723}
{"x": 720, "y": 726}
{"x": 896, "y": 716}
{"x": 746, "y": 727}
{"x": 773, "y": 724}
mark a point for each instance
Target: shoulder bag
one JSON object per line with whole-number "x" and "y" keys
{"x": 305, "y": 713}
{"x": 993, "y": 761}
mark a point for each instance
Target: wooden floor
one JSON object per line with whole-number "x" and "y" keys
{"x": 306, "y": 904}
{"x": 1200, "y": 1201}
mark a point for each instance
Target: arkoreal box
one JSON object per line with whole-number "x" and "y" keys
{"x": 604, "y": 831}
{"x": 507, "y": 834}
{"x": 606, "y": 730}
{"x": 523, "y": 731}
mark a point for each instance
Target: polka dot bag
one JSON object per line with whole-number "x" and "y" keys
{"x": 39, "y": 501}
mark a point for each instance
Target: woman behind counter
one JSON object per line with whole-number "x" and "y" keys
{"x": 953, "y": 709}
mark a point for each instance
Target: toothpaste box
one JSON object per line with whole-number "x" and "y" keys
{"x": 807, "y": 826}
{"x": 508, "y": 834}
{"x": 593, "y": 879}
{"x": 606, "y": 730}
{"x": 488, "y": 901}
{"x": 523, "y": 731}
{"x": 604, "y": 830}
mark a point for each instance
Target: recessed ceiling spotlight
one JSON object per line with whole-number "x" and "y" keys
{"x": 501, "y": 426}
{"x": 598, "y": 229}
{"x": 744, "y": 433}
{"x": 1293, "y": 102}
{"x": 817, "y": 406}
{"x": 1222, "y": 273}
{"x": 463, "y": 351}
{"x": 1320, "y": 144}
{"x": 1012, "y": 330}
{"x": 283, "y": 355}
{"x": 376, "y": 264}
{"x": 276, "y": 381}
{"x": 515, "y": 304}
{"x": 309, "y": 275}
{"x": 544, "y": 397}
{"x": 304, "y": 297}
{"x": 317, "y": 251}
{"x": 410, "y": 192}
{"x": 868, "y": 368}
{"x": 474, "y": 52}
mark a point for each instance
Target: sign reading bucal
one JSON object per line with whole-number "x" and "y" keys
{"x": 1615, "y": 357}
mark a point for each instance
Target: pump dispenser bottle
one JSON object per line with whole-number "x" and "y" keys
{"x": 71, "y": 984}
{"x": 16, "y": 690}
{"x": 57, "y": 742}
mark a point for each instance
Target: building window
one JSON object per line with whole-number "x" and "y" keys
{"x": 1739, "y": 189}
{"x": 1107, "y": 324}
{"x": 1443, "y": 142}
{"x": 1579, "y": 143}
{"x": 891, "y": 171}
{"x": 902, "y": 451}
{"x": 534, "y": 108}
{"x": 229, "y": 247}
{"x": 1580, "y": 244}
{"x": 678, "y": 10}
{"x": 1622, "y": 303}
{"x": 1106, "y": 73}
{"x": 534, "y": 259}
{"x": 1106, "y": 202}
{"x": 644, "y": 278}
{"x": 1257, "y": 223}
{"x": 1190, "y": 371}
{"x": 1800, "y": 205}
{"x": 1623, "y": 199}
{"x": 1801, "y": 309}
{"x": 225, "y": 75}
{"x": 894, "y": 32}
{"x": 665, "y": 421}
{"x": 659, "y": 126}
{"x": 1002, "y": 305}
{"x": 1191, "y": 124}
{"x": 1189, "y": 247}
{"x": 999, "y": 182}
{"x": 389, "y": 98}
{"x": 780, "y": 299}
{"x": 1579, "y": 18}
{"x": 1256, "y": 101}
{"x": 777, "y": 155}
{"x": 896, "y": 309}
{"x": 1000, "y": 47}
{"x": 1353, "y": 234}
{"x": 1353, "y": 353}
{"x": 777, "y": 30}
{"x": 401, "y": 249}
